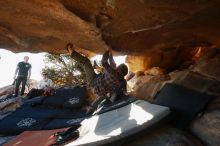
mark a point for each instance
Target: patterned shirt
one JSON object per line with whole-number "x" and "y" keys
{"x": 108, "y": 81}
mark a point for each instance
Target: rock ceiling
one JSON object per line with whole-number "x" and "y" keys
{"x": 157, "y": 30}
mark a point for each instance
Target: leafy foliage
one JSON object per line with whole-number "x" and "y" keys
{"x": 63, "y": 70}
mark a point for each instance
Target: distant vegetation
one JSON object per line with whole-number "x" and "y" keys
{"x": 63, "y": 70}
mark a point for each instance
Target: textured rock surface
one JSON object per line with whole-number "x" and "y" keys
{"x": 164, "y": 136}
{"x": 44, "y": 25}
{"x": 160, "y": 31}
{"x": 194, "y": 81}
{"x": 7, "y": 90}
{"x": 209, "y": 64}
{"x": 146, "y": 86}
{"x": 154, "y": 33}
{"x": 207, "y": 128}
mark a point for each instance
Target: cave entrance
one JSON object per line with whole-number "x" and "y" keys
{"x": 9, "y": 61}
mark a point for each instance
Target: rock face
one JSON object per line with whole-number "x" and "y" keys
{"x": 37, "y": 26}
{"x": 164, "y": 136}
{"x": 145, "y": 85}
{"x": 159, "y": 31}
{"x": 203, "y": 76}
{"x": 207, "y": 128}
{"x": 208, "y": 65}
{"x": 7, "y": 90}
{"x": 169, "y": 34}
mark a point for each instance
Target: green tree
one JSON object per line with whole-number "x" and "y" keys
{"x": 63, "y": 70}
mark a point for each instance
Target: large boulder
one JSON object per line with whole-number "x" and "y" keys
{"x": 7, "y": 90}
{"x": 145, "y": 84}
{"x": 159, "y": 33}
{"x": 207, "y": 128}
{"x": 193, "y": 80}
{"x": 209, "y": 64}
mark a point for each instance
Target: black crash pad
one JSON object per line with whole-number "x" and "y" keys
{"x": 184, "y": 102}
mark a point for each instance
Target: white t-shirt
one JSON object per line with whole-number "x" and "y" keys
{"x": 45, "y": 83}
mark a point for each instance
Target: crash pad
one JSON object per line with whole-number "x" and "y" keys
{"x": 104, "y": 127}
{"x": 119, "y": 123}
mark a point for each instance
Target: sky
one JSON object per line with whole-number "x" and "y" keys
{"x": 9, "y": 61}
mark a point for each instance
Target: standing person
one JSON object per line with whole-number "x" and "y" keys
{"x": 109, "y": 83}
{"x": 22, "y": 75}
